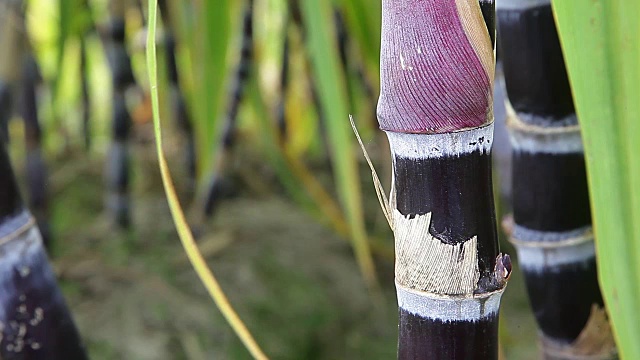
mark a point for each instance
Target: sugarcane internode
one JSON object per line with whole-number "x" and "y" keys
{"x": 437, "y": 68}
{"x": 551, "y": 214}
{"x": 35, "y": 322}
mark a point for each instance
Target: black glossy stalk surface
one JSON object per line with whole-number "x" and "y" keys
{"x": 488, "y": 8}
{"x": 29, "y": 103}
{"x": 35, "y": 322}
{"x": 550, "y": 191}
{"x": 86, "y": 102}
{"x": 284, "y": 85}
{"x": 117, "y": 165}
{"x": 457, "y": 191}
{"x": 36, "y": 169}
{"x": 6, "y": 108}
{"x": 532, "y": 62}
{"x": 427, "y": 339}
{"x": 240, "y": 79}
{"x": 10, "y": 201}
{"x": 561, "y": 298}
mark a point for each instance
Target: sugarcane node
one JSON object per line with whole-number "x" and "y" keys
{"x": 568, "y": 125}
{"x": 18, "y": 230}
{"x": 580, "y": 237}
{"x": 507, "y": 224}
{"x": 501, "y": 275}
{"x": 595, "y": 341}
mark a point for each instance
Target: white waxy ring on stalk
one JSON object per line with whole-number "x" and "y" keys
{"x": 566, "y": 248}
{"x": 421, "y": 146}
{"x": 448, "y": 308}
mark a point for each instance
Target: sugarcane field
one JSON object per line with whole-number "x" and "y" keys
{"x": 319, "y": 179}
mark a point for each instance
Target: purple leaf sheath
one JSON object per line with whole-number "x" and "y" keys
{"x": 436, "y": 67}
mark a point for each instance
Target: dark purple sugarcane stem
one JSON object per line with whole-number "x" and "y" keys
{"x": 461, "y": 200}
{"x": 281, "y": 120}
{"x": 6, "y": 110}
{"x": 427, "y": 339}
{"x": 36, "y": 323}
{"x": 239, "y": 81}
{"x": 29, "y": 105}
{"x": 117, "y": 166}
{"x": 460, "y": 206}
{"x": 550, "y": 189}
{"x": 436, "y": 77}
{"x": 36, "y": 169}
{"x": 86, "y": 102}
{"x": 542, "y": 89}
{"x": 10, "y": 201}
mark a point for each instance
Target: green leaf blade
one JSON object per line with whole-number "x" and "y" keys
{"x": 330, "y": 78}
{"x": 601, "y": 44}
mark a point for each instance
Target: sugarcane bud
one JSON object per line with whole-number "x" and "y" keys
{"x": 502, "y": 270}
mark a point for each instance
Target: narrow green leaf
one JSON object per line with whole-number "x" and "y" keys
{"x": 329, "y": 77}
{"x": 364, "y": 18}
{"x": 184, "y": 232}
{"x": 64, "y": 32}
{"x": 601, "y": 42}
{"x": 209, "y": 64}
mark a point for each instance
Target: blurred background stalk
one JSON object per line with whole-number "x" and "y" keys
{"x": 551, "y": 217}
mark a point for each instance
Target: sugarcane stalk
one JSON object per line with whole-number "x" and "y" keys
{"x": 281, "y": 111}
{"x": 35, "y": 322}
{"x": 19, "y": 80}
{"x": 6, "y": 109}
{"x": 552, "y": 220}
{"x": 86, "y": 101}
{"x": 241, "y": 75}
{"x": 11, "y": 42}
{"x": 117, "y": 165}
{"x": 36, "y": 168}
{"x": 436, "y": 71}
